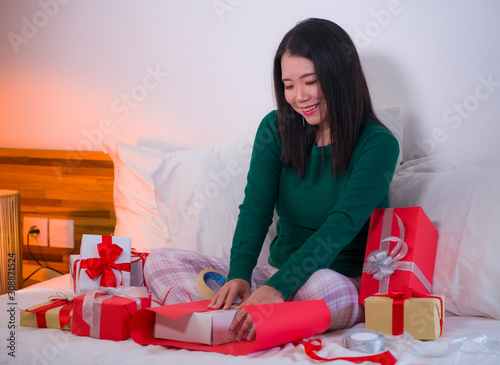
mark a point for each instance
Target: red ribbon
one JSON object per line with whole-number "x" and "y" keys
{"x": 142, "y": 256}
{"x": 104, "y": 265}
{"x": 64, "y": 313}
{"x": 398, "y": 307}
{"x": 384, "y": 358}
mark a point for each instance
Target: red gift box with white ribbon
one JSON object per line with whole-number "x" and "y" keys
{"x": 105, "y": 313}
{"x": 400, "y": 252}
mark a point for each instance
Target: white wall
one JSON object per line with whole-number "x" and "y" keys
{"x": 199, "y": 72}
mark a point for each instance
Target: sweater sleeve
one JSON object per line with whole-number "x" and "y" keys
{"x": 257, "y": 209}
{"x": 373, "y": 164}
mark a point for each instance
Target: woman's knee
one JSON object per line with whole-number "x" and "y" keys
{"x": 339, "y": 293}
{"x": 325, "y": 284}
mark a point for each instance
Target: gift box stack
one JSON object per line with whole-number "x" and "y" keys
{"x": 108, "y": 279}
{"x": 397, "y": 274}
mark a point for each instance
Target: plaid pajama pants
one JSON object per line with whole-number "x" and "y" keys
{"x": 175, "y": 271}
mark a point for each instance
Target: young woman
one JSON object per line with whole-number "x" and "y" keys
{"x": 324, "y": 162}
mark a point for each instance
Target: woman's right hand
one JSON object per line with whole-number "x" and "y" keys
{"x": 224, "y": 298}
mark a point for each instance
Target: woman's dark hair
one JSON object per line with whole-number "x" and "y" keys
{"x": 343, "y": 87}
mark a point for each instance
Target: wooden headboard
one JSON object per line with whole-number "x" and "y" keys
{"x": 61, "y": 184}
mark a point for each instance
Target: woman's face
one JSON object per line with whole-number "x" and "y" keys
{"x": 302, "y": 90}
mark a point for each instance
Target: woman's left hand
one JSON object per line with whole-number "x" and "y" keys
{"x": 242, "y": 321}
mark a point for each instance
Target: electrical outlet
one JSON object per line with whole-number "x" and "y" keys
{"x": 62, "y": 233}
{"x": 43, "y": 226}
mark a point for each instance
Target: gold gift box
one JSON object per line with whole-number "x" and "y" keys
{"x": 422, "y": 316}
{"x": 28, "y": 319}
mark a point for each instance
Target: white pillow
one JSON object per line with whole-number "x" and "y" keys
{"x": 136, "y": 212}
{"x": 198, "y": 193}
{"x": 462, "y": 199}
{"x": 391, "y": 118}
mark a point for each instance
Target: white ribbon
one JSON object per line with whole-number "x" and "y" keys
{"x": 381, "y": 264}
{"x": 364, "y": 340}
{"x": 91, "y": 311}
{"x": 61, "y": 295}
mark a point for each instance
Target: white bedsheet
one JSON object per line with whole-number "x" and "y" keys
{"x": 51, "y": 346}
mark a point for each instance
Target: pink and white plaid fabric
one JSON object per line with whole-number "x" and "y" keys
{"x": 177, "y": 270}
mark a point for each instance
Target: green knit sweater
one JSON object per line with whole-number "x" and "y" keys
{"x": 323, "y": 221}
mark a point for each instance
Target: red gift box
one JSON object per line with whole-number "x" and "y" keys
{"x": 105, "y": 312}
{"x": 400, "y": 252}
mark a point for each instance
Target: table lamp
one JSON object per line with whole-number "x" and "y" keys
{"x": 11, "y": 243}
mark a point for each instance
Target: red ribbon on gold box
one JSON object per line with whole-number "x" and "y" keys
{"x": 421, "y": 315}
{"x": 56, "y": 313}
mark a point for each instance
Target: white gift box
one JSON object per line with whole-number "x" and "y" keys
{"x": 209, "y": 328}
{"x": 137, "y": 268}
{"x": 74, "y": 267}
{"x": 136, "y": 272}
{"x": 89, "y": 250}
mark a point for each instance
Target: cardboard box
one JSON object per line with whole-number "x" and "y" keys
{"x": 422, "y": 317}
{"x": 420, "y": 237}
{"x": 209, "y": 328}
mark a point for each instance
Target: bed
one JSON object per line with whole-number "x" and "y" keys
{"x": 167, "y": 196}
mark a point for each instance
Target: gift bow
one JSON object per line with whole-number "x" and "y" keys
{"x": 64, "y": 314}
{"x": 108, "y": 253}
{"x": 382, "y": 264}
{"x": 91, "y": 308}
{"x": 398, "y": 307}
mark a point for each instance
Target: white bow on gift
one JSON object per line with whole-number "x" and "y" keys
{"x": 381, "y": 264}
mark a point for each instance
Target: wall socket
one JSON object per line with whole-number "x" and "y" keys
{"x": 62, "y": 233}
{"x": 43, "y": 226}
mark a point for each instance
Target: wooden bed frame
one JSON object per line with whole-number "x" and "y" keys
{"x": 61, "y": 184}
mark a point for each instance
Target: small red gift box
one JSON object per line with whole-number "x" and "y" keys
{"x": 400, "y": 252}
{"x": 105, "y": 312}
